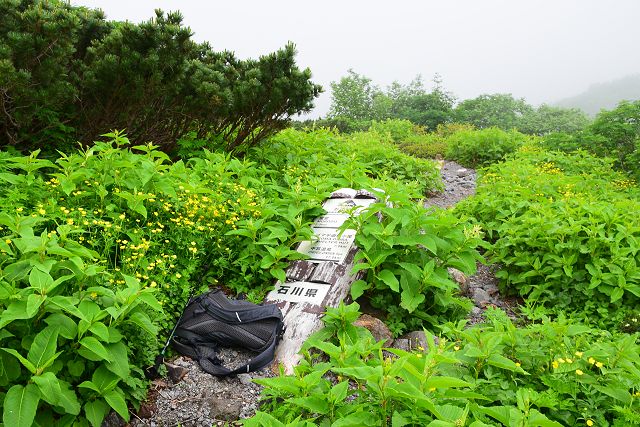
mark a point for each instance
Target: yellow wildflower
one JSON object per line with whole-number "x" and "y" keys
{"x": 589, "y": 423}
{"x": 599, "y": 364}
{"x": 555, "y": 364}
{"x": 579, "y": 372}
{"x": 592, "y": 360}
{"x": 579, "y": 353}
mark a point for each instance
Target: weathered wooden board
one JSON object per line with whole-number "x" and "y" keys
{"x": 329, "y": 275}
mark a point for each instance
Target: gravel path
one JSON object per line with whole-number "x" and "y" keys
{"x": 198, "y": 399}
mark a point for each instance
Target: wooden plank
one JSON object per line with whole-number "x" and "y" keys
{"x": 303, "y": 316}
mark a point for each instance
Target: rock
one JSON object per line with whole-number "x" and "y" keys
{"x": 480, "y": 297}
{"x": 377, "y": 328}
{"x": 476, "y": 311}
{"x": 224, "y": 409}
{"x": 417, "y": 340}
{"x": 463, "y": 172}
{"x": 176, "y": 373}
{"x": 245, "y": 379}
{"x": 402, "y": 344}
{"x": 460, "y": 278}
{"x": 113, "y": 420}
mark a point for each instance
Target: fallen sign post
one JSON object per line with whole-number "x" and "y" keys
{"x": 324, "y": 280}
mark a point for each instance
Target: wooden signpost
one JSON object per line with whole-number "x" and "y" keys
{"x": 321, "y": 281}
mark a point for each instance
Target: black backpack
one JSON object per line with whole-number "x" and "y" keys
{"x": 211, "y": 320}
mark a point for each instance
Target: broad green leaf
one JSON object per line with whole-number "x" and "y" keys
{"x": 66, "y": 326}
{"x": 617, "y": 393}
{"x": 100, "y": 330}
{"x": 115, "y": 399}
{"x": 339, "y": 391}
{"x": 68, "y": 399}
{"x": 314, "y": 404}
{"x": 500, "y": 361}
{"x": 95, "y": 411}
{"x": 93, "y": 350}
{"x": 20, "y": 405}
{"x": 358, "y": 288}
{"x": 16, "y": 311}
{"x": 142, "y": 320}
{"x": 39, "y": 279}
{"x": 9, "y": 369}
{"x": 120, "y": 363}
{"x": 26, "y": 363}
{"x": 390, "y": 280}
{"x": 616, "y": 294}
{"x": 43, "y": 348}
{"x": 104, "y": 379}
{"x": 445, "y": 382}
{"x": 49, "y": 387}
{"x": 34, "y": 301}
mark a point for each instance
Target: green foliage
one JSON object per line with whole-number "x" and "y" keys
{"x": 354, "y": 97}
{"x": 565, "y": 229}
{"x": 405, "y": 250}
{"x": 499, "y": 110}
{"x": 620, "y": 129}
{"x": 395, "y": 130}
{"x": 483, "y": 147}
{"x": 548, "y": 374}
{"x": 547, "y": 119}
{"x": 68, "y": 74}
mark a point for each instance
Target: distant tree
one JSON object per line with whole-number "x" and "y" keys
{"x": 547, "y": 119}
{"x": 356, "y": 98}
{"x": 620, "y": 129}
{"x": 499, "y": 110}
{"x": 353, "y": 97}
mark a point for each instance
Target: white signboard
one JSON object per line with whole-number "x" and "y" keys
{"x": 313, "y": 293}
{"x": 328, "y": 247}
{"x": 336, "y": 206}
{"x": 330, "y": 220}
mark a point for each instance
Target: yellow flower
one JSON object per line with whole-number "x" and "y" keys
{"x": 592, "y": 360}
{"x": 419, "y": 355}
{"x": 589, "y": 423}
{"x": 94, "y": 295}
{"x": 122, "y": 216}
{"x": 42, "y": 211}
{"x": 8, "y": 241}
{"x": 569, "y": 360}
{"x": 579, "y": 372}
{"x": 518, "y": 364}
{"x": 579, "y": 353}
{"x": 178, "y": 275}
{"x": 555, "y": 364}
{"x": 19, "y": 209}
{"x": 599, "y": 364}
{"x": 153, "y": 284}
{"x": 193, "y": 243}
{"x": 560, "y": 360}
{"x": 432, "y": 389}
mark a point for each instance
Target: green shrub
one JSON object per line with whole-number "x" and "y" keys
{"x": 68, "y": 74}
{"x": 394, "y": 129}
{"x": 405, "y": 250}
{"x": 474, "y": 148}
{"x": 565, "y": 229}
{"x": 548, "y": 374}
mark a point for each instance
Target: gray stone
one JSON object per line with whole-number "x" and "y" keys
{"x": 463, "y": 172}
{"x": 480, "y": 297}
{"x": 377, "y": 328}
{"x": 224, "y": 409}
{"x": 460, "y": 278}
{"x": 175, "y": 372}
{"x": 245, "y": 379}
{"x": 402, "y": 344}
{"x": 476, "y": 311}
{"x": 418, "y": 340}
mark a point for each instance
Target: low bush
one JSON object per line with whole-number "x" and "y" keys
{"x": 565, "y": 229}
{"x": 405, "y": 250}
{"x": 474, "y": 148}
{"x": 548, "y": 374}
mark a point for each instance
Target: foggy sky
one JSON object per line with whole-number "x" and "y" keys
{"x": 542, "y": 50}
